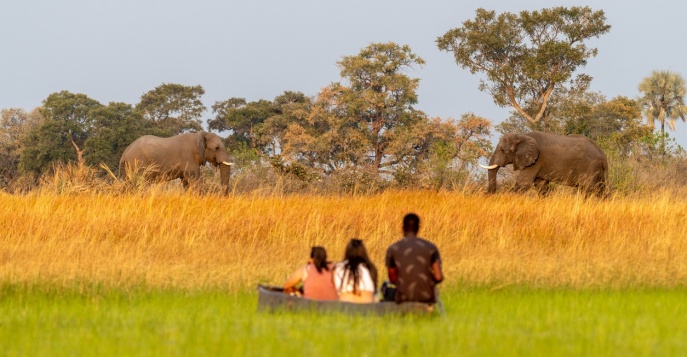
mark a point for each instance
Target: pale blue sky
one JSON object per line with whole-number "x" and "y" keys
{"x": 117, "y": 50}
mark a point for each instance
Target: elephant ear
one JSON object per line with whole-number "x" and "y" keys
{"x": 526, "y": 152}
{"x": 202, "y": 137}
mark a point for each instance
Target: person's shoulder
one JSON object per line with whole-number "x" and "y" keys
{"x": 427, "y": 243}
{"x": 395, "y": 245}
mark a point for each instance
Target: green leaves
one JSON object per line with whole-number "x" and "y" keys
{"x": 173, "y": 108}
{"x": 261, "y": 124}
{"x": 525, "y": 57}
{"x": 663, "y": 98}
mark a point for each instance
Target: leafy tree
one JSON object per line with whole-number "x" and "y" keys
{"x": 663, "y": 99}
{"x": 379, "y": 95}
{"x": 526, "y": 57}
{"x": 15, "y": 123}
{"x": 62, "y": 134}
{"x": 325, "y": 139}
{"x": 366, "y": 119}
{"x": 260, "y": 124}
{"x": 113, "y": 128}
{"x": 173, "y": 108}
{"x": 446, "y": 151}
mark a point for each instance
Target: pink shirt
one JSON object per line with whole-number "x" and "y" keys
{"x": 319, "y": 286}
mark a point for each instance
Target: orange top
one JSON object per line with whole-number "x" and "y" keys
{"x": 319, "y": 286}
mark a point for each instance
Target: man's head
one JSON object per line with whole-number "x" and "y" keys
{"x": 411, "y": 224}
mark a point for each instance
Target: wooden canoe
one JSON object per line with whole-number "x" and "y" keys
{"x": 273, "y": 299}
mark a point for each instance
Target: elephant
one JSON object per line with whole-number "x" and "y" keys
{"x": 179, "y": 156}
{"x": 570, "y": 160}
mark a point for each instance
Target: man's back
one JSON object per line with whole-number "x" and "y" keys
{"x": 413, "y": 258}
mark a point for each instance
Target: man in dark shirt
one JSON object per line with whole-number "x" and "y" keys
{"x": 414, "y": 264}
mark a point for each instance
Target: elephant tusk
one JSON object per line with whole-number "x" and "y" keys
{"x": 489, "y": 167}
{"x": 227, "y": 163}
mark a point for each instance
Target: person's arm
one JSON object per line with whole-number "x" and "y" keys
{"x": 293, "y": 280}
{"x": 438, "y": 275}
{"x": 393, "y": 275}
{"x": 391, "y": 267}
{"x": 436, "y": 269}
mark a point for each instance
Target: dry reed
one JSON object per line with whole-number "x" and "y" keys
{"x": 170, "y": 238}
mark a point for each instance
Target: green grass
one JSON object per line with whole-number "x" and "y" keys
{"x": 42, "y": 321}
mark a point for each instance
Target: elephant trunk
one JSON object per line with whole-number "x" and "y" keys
{"x": 492, "y": 176}
{"x": 225, "y": 174}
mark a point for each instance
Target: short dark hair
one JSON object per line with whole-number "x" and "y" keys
{"x": 411, "y": 223}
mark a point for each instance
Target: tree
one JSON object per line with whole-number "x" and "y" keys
{"x": 15, "y": 123}
{"x": 445, "y": 150}
{"x": 378, "y": 95}
{"x": 355, "y": 122}
{"x": 173, "y": 108}
{"x": 663, "y": 99}
{"x": 113, "y": 128}
{"x": 261, "y": 124}
{"x": 325, "y": 138}
{"x": 62, "y": 134}
{"x": 526, "y": 57}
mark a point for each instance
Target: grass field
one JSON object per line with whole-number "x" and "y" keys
{"x": 527, "y": 322}
{"x": 169, "y": 273}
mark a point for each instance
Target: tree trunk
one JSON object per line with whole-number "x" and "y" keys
{"x": 79, "y": 154}
{"x": 663, "y": 141}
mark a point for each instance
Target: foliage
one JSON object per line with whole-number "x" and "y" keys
{"x": 366, "y": 122}
{"x": 448, "y": 151}
{"x": 15, "y": 123}
{"x": 663, "y": 99}
{"x": 526, "y": 57}
{"x": 113, "y": 128}
{"x": 62, "y": 134}
{"x": 261, "y": 124}
{"x": 173, "y": 108}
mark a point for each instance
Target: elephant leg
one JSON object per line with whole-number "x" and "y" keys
{"x": 542, "y": 186}
{"x": 191, "y": 178}
{"x": 597, "y": 188}
{"x": 525, "y": 180}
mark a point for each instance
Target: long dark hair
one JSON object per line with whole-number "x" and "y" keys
{"x": 319, "y": 258}
{"x": 355, "y": 255}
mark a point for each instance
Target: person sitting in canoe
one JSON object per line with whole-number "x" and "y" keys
{"x": 414, "y": 265}
{"x": 355, "y": 277}
{"x": 316, "y": 277}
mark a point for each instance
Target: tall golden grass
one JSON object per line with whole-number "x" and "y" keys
{"x": 172, "y": 238}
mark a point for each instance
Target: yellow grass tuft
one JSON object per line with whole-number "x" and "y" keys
{"x": 163, "y": 238}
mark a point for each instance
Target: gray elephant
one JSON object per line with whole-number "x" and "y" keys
{"x": 540, "y": 158}
{"x": 179, "y": 156}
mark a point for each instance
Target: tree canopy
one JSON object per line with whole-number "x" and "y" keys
{"x": 663, "y": 100}
{"x": 260, "y": 124}
{"x": 173, "y": 108}
{"x": 62, "y": 134}
{"x": 363, "y": 115}
{"x": 526, "y": 56}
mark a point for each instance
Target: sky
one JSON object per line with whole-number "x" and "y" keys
{"x": 114, "y": 51}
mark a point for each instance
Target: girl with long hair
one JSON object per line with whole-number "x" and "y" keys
{"x": 355, "y": 277}
{"x": 316, "y": 277}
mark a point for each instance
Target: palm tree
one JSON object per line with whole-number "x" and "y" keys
{"x": 663, "y": 99}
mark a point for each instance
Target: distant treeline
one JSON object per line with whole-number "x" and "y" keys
{"x": 363, "y": 132}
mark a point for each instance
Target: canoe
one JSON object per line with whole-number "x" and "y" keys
{"x": 273, "y": 299}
